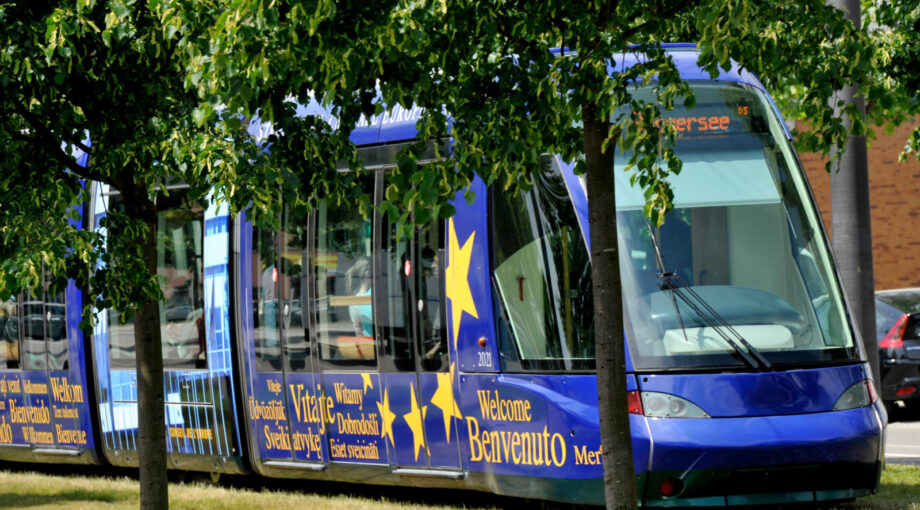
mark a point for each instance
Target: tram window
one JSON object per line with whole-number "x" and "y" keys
{"x": 180, "y": 240}
{"x": 44, "y": 344}
{"x": 432, "y": 323}
{"x": 343, "y": 271}
{"x": 56, "y": 331}
{"x": 266, "y": 332}
{"x": 291, "y": 279}
{"x": 543, "y": 273}
{"x": 179, "y": 265}
{"x": 9, "y": 333}
{"x": 742, "y": 240}
{"x": 33, "y": 331}
{"x": 396, "y": 326}
{"x": 33, "y": 328}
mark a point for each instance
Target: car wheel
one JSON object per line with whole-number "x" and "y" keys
{"x": 911, "y": 408}
{"x": 891, "y": 407}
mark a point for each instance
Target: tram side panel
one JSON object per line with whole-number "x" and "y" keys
{"x": 285, "y": 413}
{"x": 201, "y": 423}
{"x": 44, "y": 405}
{"x": 530, "y": 435}
{"x": 265, "y": 412}
{"x": 301, "y": 420}
{"x": 45, "y": 413}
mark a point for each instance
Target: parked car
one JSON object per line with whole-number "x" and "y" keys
{"x": 897, "y": 320}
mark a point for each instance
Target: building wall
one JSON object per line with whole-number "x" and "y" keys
{"x": 894, "y": 195}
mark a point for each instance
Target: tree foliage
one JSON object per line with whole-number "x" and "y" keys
{"x": 881, "y": 57}
{"x": 99, "y": 78}
{"x": 489, "y": 66}
{"x": 93, "y": 78}
{"x": 894, "y": 94}
{"x": 166, "y": 89}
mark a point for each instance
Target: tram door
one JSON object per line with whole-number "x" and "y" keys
{"x": 414, "y": 352}
{"x": 283, "y": 366}
{"x": 342, "y": 297}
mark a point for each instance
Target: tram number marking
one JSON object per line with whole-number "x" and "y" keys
{"x": 485, "y": 359}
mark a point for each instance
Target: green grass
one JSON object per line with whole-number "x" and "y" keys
{"x": 35, "y": 491}
{"x": 39, "y": 491}
{"x": 900, "y": 490}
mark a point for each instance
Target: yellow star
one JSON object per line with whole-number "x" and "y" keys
{"x": 415, "y": 418}
{"x": 387, "y": 417}
{"x": 443, "y": 399}
{"x": 457, "y": 279}
{"x": 368, "y": 383}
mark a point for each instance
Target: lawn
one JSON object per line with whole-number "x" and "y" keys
{"x": 37, "y": 491}
{"x": 72, "y": 491}
{"x": 900, "y": 490}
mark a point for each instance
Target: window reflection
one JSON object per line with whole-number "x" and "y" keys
{"x": 43, "y": 344}
{"x": 33, "y": 330}
{"x": 397, "y": 328}
{"x": 267, "y": 333}
{"x": 432, "y": 325}
{"x": 293, "y": 244}
{"x": 344, "y": 282}
{"x": 33, "y": 327}
{"x": 180, "y": 270}
{"x": 543, "y": 273}
{"x": 9, "y": 333}
{"x": 55, "y": 336}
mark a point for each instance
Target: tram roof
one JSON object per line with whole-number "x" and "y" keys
{"x": 399, "y": 125}
{"x": 685, "y": 57}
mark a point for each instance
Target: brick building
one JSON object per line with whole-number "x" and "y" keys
{"x": 894, "y": 196}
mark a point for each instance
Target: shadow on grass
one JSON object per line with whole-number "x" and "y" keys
{"x": 63, "y": 497}
{"x": 17, "y": 500}
{"x": 900, "y": 490}
{"x": 433, "y": 497}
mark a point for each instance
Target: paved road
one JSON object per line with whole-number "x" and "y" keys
{"x": 903, "y": 443}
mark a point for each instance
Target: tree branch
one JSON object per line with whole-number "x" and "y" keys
{"x": 80, "y": 145}
{"x": 46, "y": 138}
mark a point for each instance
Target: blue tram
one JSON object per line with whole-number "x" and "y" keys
{"x": 46, "y": 411}
{"x": 336, "y": 349}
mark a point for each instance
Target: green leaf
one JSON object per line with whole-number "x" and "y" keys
{"x": 199, "y": 115}
{"x": 119, "y": 9}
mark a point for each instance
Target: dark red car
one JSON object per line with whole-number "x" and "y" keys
{"x": 897, "y": 318}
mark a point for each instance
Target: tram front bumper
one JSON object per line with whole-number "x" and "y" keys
{"x": 763, "y": 460}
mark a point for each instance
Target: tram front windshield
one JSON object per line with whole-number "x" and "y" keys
{"x": 738, "y": 277}
{"x": 739, "y": 274}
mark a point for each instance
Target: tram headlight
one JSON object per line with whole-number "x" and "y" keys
{"x": 665, "y": 405}
{"x": 860, "y": 394}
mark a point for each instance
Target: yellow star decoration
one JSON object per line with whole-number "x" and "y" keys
{"x": 457, "y": 279}
{"x": 387, "y": 417}
{"x": 443, "y": 399}
{"x": 368, "y": 383}
{"x": 415, "y": 418}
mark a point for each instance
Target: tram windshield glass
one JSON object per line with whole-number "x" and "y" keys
{"x": 542, "y": 274}
{"x": 739, "y": 274}
{"x": 738, "y": 277}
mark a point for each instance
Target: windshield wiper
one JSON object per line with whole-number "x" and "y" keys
{"x": 704, "y": 312}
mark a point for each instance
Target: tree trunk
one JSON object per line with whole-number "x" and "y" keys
{"x": 616, "y": 442}
{"x": 851, "y": 222}
{"x": 151, "y": 414}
